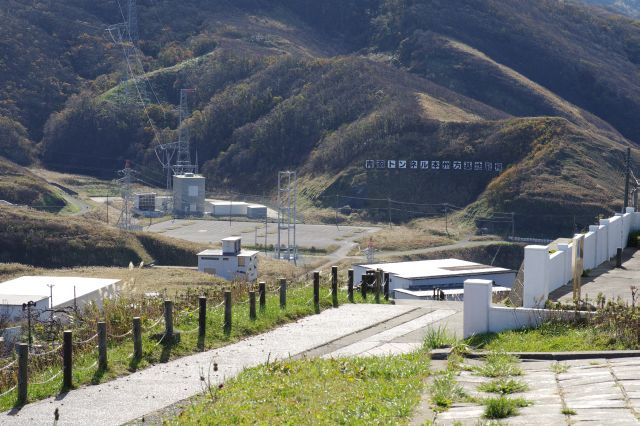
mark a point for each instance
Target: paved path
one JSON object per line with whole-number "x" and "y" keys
{"x": 598, "y": 391}
{"x": 612, "y": 282}
{"x": 157, "y": 387}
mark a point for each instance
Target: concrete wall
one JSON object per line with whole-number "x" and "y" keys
{"x": 545, "y": 272}
{"x": 480, "y": 316}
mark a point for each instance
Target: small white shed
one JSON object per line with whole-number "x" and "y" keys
{"x": 230, "y": 263}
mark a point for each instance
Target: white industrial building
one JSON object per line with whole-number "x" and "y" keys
{"x": 235, "y": 208}
{"x": 52, "y": 292}
{"x": 230, "y": 263}
{"x": 418, "y": 279}
{"x": 188, "y": 195}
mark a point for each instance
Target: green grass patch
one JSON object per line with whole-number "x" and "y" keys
{"x": 503, "y": 407}
{"x": 316, "y": 391}
{"x": 503, "y": 386}
{"x": 559, "y": 367}
{"x": 299, "y": 304}
{"x": 549, "y": 337}
{"x": 498, "y": 364}
{"x": 445, "y": 390}
{"x": 438, "y": 338}
{"x": 568, "y": 412}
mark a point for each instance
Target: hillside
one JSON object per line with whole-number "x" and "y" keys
{"x": 42, "y": 239}
{"x": 21, "y": 187}
{"x": 542, "y": 88}
{"x": 627, "y": 7}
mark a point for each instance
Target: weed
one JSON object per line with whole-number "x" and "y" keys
{"x": 568, "y": 412}
{"x": 437, "y": 338}
{"x": 559, "y": 367}
{"x": 499, "y": 364}
{"x": 503, "y": 386}
{"x": 445, "y": 390}
{"x": 502, "y": 407}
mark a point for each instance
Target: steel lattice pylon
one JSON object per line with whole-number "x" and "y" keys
{"x": 287, "y": 216}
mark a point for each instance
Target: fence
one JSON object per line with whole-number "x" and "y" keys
{"x": 25, "y": 363}
{"x": 546, "y": 270}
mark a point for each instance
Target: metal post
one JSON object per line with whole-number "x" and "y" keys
{"x": 283, "y": 293}
{"x": 137, "y": 338}
{"x": 227, "y": 312}
{"x": 252, "y": 305}
{"x": 316, "y": 291}
{"x": 350, "y": 285}
{"x": 334, "y": 285}
{"x": 168, "y": 319}
{"x": 202, "y": 316}
{"x": 386, "y": 286}
{"x": 363, "y": 287}
{"x": 23, "y": 371}
{"x": 513, "y": 226}
{"x": 262, "y": 289}
{"x": 102, "y": 345}
{"x": 67, "y": 359}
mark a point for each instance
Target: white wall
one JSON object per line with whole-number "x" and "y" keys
{"x": 480, "y": 316}
{"x": 545, "y": 272}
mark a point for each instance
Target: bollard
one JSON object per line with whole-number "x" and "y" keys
{"x": 619, "y": 258}
{"x": 350, "y": 286}
{"x": 23, "y": 371}
{"x": 252, "y": 305}
{"x": 283, "y": 293}
{"x": 316, "y": 291}
{"x": 102, "y": 345}
{"x": 202, "y": 316}
{"x": 262, "y": 289}
{"x": 137, "y": 338}
{"x": 378, "y": 285}
{"x": 168, "y": 319}
{"x": 386, "y": 286}
{"x": 363, "y": 287}
{"x": 227, "y": 312}
{"x": 334, "y": 285}
{"x": 67, "y": 359}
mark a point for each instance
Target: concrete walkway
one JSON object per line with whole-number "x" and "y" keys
{"x": 612, "y": 282}
{"x": 131, "y": 397}
{"x": 591, "y": 392}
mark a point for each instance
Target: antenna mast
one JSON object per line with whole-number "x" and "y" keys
{"x": 183, "y": 163}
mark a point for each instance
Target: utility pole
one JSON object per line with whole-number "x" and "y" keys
{"x": 107, "y": 209}
{"x": 626, "y": 182}
{"x": 389, "y": 210}
{"x": 513, "y": 226}
{"x": 446, "y": 219}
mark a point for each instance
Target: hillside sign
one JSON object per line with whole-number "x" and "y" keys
{"x": 469, "y": 166}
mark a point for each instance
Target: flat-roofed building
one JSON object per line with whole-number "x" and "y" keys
{"x": 230, "y": 263}
{"x": 444, "y": 274}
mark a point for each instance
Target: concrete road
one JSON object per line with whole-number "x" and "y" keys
{"x": 307, "y": 236}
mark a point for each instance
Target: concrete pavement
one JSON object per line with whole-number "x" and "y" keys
{"x": 131, "y": 397}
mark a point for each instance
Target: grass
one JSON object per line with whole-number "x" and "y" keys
{"x": 503, "y": 407}
{"x": 298, "y": 305}
{"x": 445, "y": 390}
{"x": 498, "y": 364}
{"x": 316, "y": 391}
{"x": 559, "y": 367}
{"x": 568, "y": 412}
{"x": 549, "y": 337}
{"x": 438, "y": 338}
{"x": 503, "y": 386}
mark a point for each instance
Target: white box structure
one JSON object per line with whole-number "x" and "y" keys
{"x": 228, "y": 208}
{"x": 230, "y": 263}
{"x": 53, "y": 292}
{"x": 256, "y": 211}
{"x": 188, "y": 194}
{"x": 445, "y": 274}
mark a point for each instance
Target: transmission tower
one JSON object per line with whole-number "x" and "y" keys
{"x": 183, "y": 162}
{"x": 133, "y": 64}
{"x": 125, "y": 220}
{"x": 287, "y": 216}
